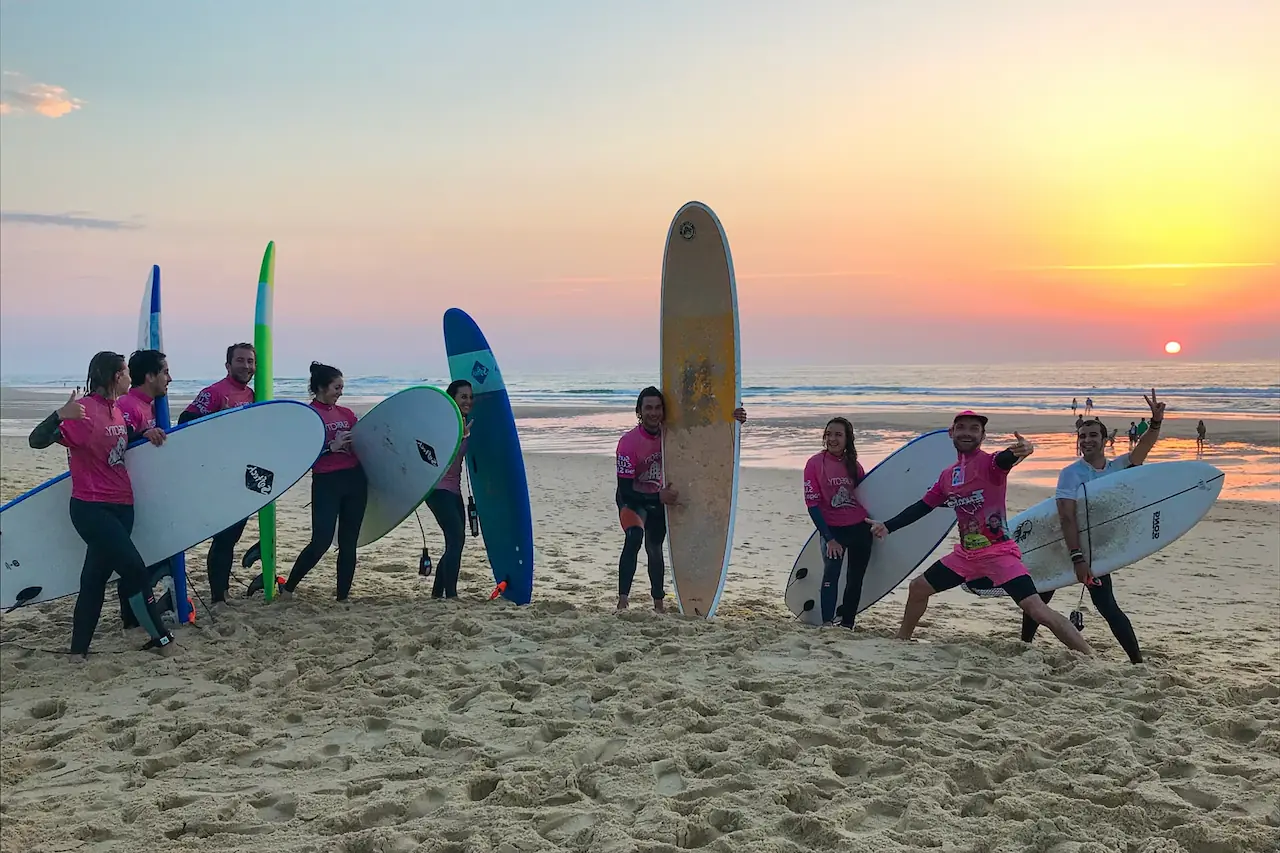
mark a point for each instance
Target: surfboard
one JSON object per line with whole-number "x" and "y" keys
{"x": 264, "y": 389}
{"x": 896, "y": 483}
{"x": 209, "y": 474}
{"x": 405, "y": 444}
{"x": 151, "y": 336}
{"x": 494, "y": 462}
{"x": 702, "y": 384}
{"x": 1123, "y": 517}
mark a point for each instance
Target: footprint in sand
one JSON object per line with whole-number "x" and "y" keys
{"x": 667, "y": 779}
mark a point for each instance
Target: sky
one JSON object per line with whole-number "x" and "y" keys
{"x": 923, "y": 182}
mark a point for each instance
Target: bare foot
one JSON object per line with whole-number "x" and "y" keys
{"x": 623, "y": 601}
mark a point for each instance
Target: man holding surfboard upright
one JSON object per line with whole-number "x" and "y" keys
{"x": 974, "y": 487}
{"x": 230, "y": 392}
{"x": 1091, "y": 438}
{"x": 641, "y": 497}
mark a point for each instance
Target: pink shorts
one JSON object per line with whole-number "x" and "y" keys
{"x": 999, "y": 563}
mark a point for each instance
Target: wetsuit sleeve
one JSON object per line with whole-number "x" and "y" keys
{"x": 1005, "y": 460}
{"x": 46, "y": 433}
{"x": 131, "y": 434}
{"x": 187, "y": 415}
{"x": 821, "y": 523}
{"x": 627, "y": 494}
{"x": 910, "y": 515}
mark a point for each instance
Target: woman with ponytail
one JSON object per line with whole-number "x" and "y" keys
{"x": 831, "y": 479}
{"x": 96, "y": 436}
{"x": 339, "y": 491}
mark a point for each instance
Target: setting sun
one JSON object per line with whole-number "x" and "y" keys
{"x": 1173, "y": 347}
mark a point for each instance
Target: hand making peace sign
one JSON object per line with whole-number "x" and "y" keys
{"x": 1157, "y": 407}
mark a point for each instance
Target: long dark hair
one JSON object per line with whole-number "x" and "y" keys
{"x": 322, "y": 376}
{"x": 850, "y": 449}
{"x": 455, "y": 386}
{"x": 103, "y": 368}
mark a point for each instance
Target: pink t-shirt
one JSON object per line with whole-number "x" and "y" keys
{"x": 828, "y": 487}
{"x": 226, "y": 393}
{"x": 975, "y": 488}
{"x": 336, "y": 419}
{"x": 452, "y": 479}
{"x": 139, "y": 410}
{"x": 95, "y": 453}
{"x": 640, "y": 459}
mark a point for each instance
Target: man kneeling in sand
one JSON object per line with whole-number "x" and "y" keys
{"x": 975, "y": 488}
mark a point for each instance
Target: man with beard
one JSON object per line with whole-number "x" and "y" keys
{"x": 230, "y": 392}
{"x": 1091, "y": 466}
{"x": 641, "y": 496}
{"x": 974, "y": 487}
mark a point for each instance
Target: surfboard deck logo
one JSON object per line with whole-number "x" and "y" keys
{"x": 479, "y": 372}
{"x": 428, "y": 453}
{"x": 1023, "y": 531}
{"x": 260, "y": 480}
{"x": 687, "y": 231}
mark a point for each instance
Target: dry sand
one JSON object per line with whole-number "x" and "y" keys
{"x": 398, "y": 723}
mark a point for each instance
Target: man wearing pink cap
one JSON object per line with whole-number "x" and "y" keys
{"x": 975, "y": 488}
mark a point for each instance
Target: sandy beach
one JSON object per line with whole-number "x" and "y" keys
{"x": 397, "y": 723}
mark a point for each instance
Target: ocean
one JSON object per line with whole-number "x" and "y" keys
{"x": 585, "y": 411}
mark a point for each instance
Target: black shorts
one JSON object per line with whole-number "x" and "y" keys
{"x": 942, "y": 579}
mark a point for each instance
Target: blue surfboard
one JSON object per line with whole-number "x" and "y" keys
{"x": 150, "y": 336}
{"x": 494, "y": 462}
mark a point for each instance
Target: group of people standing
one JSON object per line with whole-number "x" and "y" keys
{"x": 986, "y": 555}
{"x": 118, "y": 408}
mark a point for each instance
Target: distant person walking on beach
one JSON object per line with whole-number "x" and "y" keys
{"x": 1088, "y": 405}
{"x": 1200, "y": 434}
{"x": 1075, "y": 404}
{"x": 974, "y": 488}
{"x": 1142, "y": 428}
{"x": 1133, "y": 434}
{"x": 1093, "y": 466}
{"x": 1079, "y": 423}
{"x": 831, "y": 480}
{"x": 642, "y": 498}
{"x": 1111, "y": 441}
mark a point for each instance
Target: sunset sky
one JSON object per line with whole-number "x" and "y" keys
{"x": 936, "y": 180}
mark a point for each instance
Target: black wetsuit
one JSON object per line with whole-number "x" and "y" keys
{"x": 451, "y": 514}
{"x": 651, "y": 533}
{"x": 222, "y": 546}
{"x": 338, "y": 499}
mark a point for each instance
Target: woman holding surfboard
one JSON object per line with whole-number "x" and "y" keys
{"x": 831, "y": 479}
{"x": 445, "y": 502}
{"x": 95, "y": 433}
{"x": 339, "y": 490}
{"x": 641, "y": 497}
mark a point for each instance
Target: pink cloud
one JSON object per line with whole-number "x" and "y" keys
{"x": 20, "y": 95}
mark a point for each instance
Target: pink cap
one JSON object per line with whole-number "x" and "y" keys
{"x": 982, "y": 419}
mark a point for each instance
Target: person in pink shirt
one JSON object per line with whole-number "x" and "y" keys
{"x": 445, "y": 503}
{"x": 230, "y": 392}
{"x": 641, "y": 497}
{"x": 148, "y": 380}
{"x": 96, "y": 436}
{"x": 974, "y": 488}
{"x": 831, "y": 480}
{"x": 339, "y": 490}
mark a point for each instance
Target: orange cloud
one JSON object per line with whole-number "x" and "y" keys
{"x": 18, "y": 95}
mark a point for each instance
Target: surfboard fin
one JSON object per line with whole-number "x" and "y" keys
{"x": 498, "y": 590}
{"x": 253, "y": 555}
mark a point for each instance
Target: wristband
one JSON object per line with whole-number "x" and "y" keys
{"x": 1155, "y": 424}
{"x": 1077, "y": 556}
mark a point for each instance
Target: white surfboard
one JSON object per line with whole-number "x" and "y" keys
{"x": 209, "y": 474}
{"x": 405, "y": 444}
{"x": 890, "y": 487}
{"x": 1123, "y": 517}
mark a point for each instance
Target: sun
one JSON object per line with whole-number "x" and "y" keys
{"x": 1173, "y": 348}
